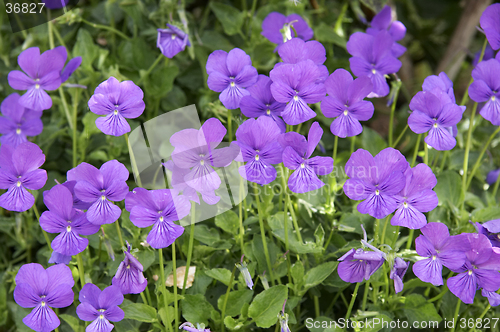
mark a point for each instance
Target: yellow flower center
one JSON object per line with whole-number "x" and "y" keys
{"x": 68, "y": 229}
{"x": 202, "y": 162}
{"x": 18, "y": 131}
{"x": 434, "y": 257}
{"x": 37, "y": 86}
{"x": 268, "y": 112}
{"x": 232, "y": 83}
{"x": 374, "y": 71}
{"x": 470, "y": 272}
{"x": 257, "y": 157}
{"x": 346, "y": 112}
{"x": 295, "y": 98}
{"x": 103, "y": 197}
{"x": 18, "y": 183}
{"x": 302, "y": 165}
{"x": 377, "y": 192}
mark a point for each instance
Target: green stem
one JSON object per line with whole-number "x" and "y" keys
{"x": 190, "y": 248}
{"x": 457, "y": 309}
{"x": 393, "y": 109}
{"x": 294, "y": 220}
{"x": 74, "y": 117}
{"x": 351, "y": 304}
{"x": 495, "y": 188}
{"x": 223, "y": 311}
{"x": 353, "y": 143}
{"x": 426, "y": 152}
{"x": 229, "y": 125}
{"x": 478, "y": 161}
{"x": 132, "y": 160}
{"x": 45, "y": 235}
{"x": 415, "y": 152}
{"x": 174, "y": 268}
{"x": 400, "y": 136}
{"x": 316, "y": 306}
{"x": 150, "y": 69}
{"x": 144, "y": 298}
{"x": 331, "y": 191}
{"x": 443, "y": 161}
{"x": 81, "y": 271}
{"x": 410, "y": 239}
{"x": 263, "y": 232}
{"x": 65, "y": 107}
{"x": 119, "y": 231}
{"x": 365, "y": 295}
{"x": 284, "y": 177}
{"x": 465, "y": 98}
{"x": 164, "y": 289}
{"x": 384, "y": 229}
{"x": 108, "y": 28}
{"x": 50, "y": 27}
{"x": 240, "y": 215}
{"x": 466, "y": 155}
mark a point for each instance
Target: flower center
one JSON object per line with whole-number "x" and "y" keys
{"x": 101, "y": 316}
{"x": 346, "y": 112}
{"x": 302, "y": 165}
{"x": 202, "y": 162}
{"x": 493, "y": 98}
{"x": 435, "y": 125}
{"x": 173, "y": 36}
{"x": 360, "y": 260}
{"x": 115, "y": 112}
{"x": 374, "y": 71}
{"x": 257, "y": 157}
{"x": 405, "y": 204}
{"x": 470, "y": 272}
{"x": 37, "y": 86}
{"x": 161, "y": 219}
{"x": 43, "y": 304}
{"x": 103, "y": 197}
{"x": 268, "y": 112}
{"x": 295, "y": 97}
{"x": 232, "y": 83}
{"x": 434, "y": 257}
{"x": 18, "y": 183}
{"x": 18, "y": 131}
{"x": 377, "y": 192}
{"x": 128, "y": 266}
{"x": 68, "y": 229}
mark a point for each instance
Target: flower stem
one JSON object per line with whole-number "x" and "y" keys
{"x": 144, "y": 298}
{"x": 164, "y": 289}
{"x": 351, "y": 304}
{"x": 426, "y": 153}
{"x": 457, "y": 309}
{"x": 478, "y": 161}
{"x": 410, "y": 239}
{"x": 81, "y": 271}
{"x": 284, "y": 176}
{"x": 465, "y": 98}
{"x": 74, "y": 117}
{"x": 295, "y": 223}
{"x": 45, "y": 235}
{"x": 119, "y": 231}
{"x": 495, "y": 188}
{"x": 132, "y": 161}
{"x": 229, "y": 126}
{"x": 263, "y": 232}
{"x": 365, "y": 295}
{"x": 105, "y": 27}
{"x": 174, "y": 268}
{"x": 240, "y": 215}
{"x": 353, "y": 143}
{"x": 397, "y": 85}
{"x": 466, "y": 155}
{"x": 400, "y": 136}
{"x": 190, "y": 248}
{"x": 415, "y": 153}
{"x": 223, "y": 311}
{"x": 66, "y": 109}
{"x": 150, "y": 69}
{"x": 333, "y": 181}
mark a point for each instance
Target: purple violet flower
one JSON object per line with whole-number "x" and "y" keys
{"x": 296, "y": 85}
{"x": 491, "y": 25}
{"x": 17, "y": 122}
{"x": 358, "y": 265}
{"x": 129, "y": 277}
{"x": 492, "y": 176}
{"x": 41, "y": 72}
{"x": 64, "y": 219}
{"x": 486, "y": 88}
{"x": 479, "y": 271}
{"x": 100, "y": 307}
{"x": 230, "y": 73}
{"x": 435, "y": 113}
{"x": 261, "y": 102}
{"x": 43, "y": 290}
{"x": 372, "y": 57}
{"x": 489, "y": 53}
{"x": 275, "y": 22}
{"x": 18, "y": 172}
{"x": 179, "y": 184}
{"x": 297, "y": 50}
{"x": 77, "y": 203}
{"x": 57, "y": 258}
{"x": 118, "y": 101}
{"x": 398, "y": 270}
{"x": 297, "y": 157}
{"x": 283, "y": 319}
{"x": 187, "y": 326}
{"x": 440, "y": 249}
{"x": 260, "y": 149}
{"x": 493, "y": 297}
{"x": 196, "y": 150}
{"x": 491, "y": 229}
{"x": 345, "y": 103}
{"x": 383, "y": 22}
{"x": 416, "y": 197}
{"x": 160, "y": 208}
{"x": 245, "y": 273}
{"x": 376, "y": 180}
{"x": 441, "y": 82}
{"x": 100, "y": 187}
{"x": 172, "y": 40}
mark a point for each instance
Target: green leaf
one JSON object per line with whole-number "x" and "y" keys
{"x": 161, "y": 81}
{"x": 297, "y": 272}
{"x": 267, "y": 305}
{"x": 372, "y": 141}
{"x": 85, "y": 48}
{"x": 327, "y": 34}
{"x": 196, "y": 309}
{"x": 319, "y": 273}
{"x": 235, "y": 301}
{"x": 222, "y": 275}
{"x": 73, "y": 322}
{"x": 205, "y": 235}
{"x": 487, "y": 214}
{"x": 163, "y": 315}
{"x": 89, "y": 127}
{"x": 417, "y": 309}
{"x": 140, "y": 312}
{"x": 230, "y": 17}
{"x": 228, "y": 221}
{"x": 448, "y": 189}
